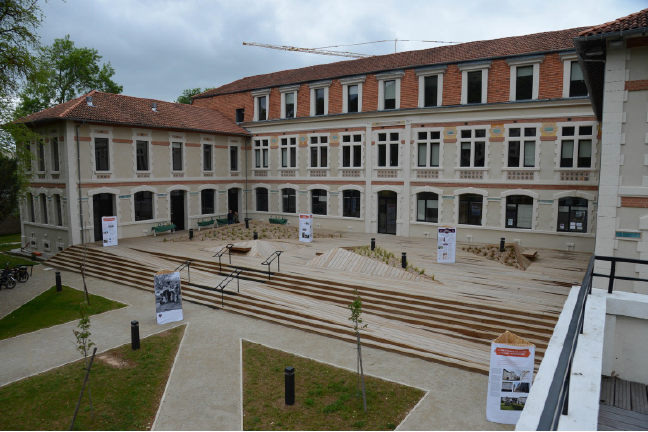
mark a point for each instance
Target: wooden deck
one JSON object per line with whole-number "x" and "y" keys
{"x": 624, "y": 405}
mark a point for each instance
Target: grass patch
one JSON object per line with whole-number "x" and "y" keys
{"x": 14, "y": 260}
{"x": 51, "y": 308}
{"x": 125, "y": 394}
{"x": 326, "y": 396}
{"x": 10, "y": 238}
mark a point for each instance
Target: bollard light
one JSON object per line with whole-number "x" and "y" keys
{"x": 290, "y": 385}
{"x": 502, "y": 242}
{"x": 247, "y": 223}
{"x": 135, "y": 340}
{"x": 190, "y": 233}
{"x": 373, "y": 243}
{"x": 404, "y": 260}
{"x": 59, "y": 287}
{"x": 255, "y": 235}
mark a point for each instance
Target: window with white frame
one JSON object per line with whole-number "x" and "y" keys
{"x": 522, "y": 143}
{"x": 352, "y": 94}
{"x": 55, "y": 155}
{"x": 288, "y": 200}
{"x": 176, "y": 156}
{"x": 288, "y": 149}
{"x": 289, "y": 101}
{"x": 471, "y": 209}
{"x": 318, "y": 151}
{"x": 389, "y": 90}
{"x": 143, "y": 202}
{"x": 261, "y": 147}
{"x": 233, "y": 158}
{"x": 319, "y": 200}
{"x": 474, "y": 82}
{"x": 430, "y": 87}
{"x": 351, "y": 203}
{"x": 427, "y": 207}
{"x": 208, "y": 158}
{"x": 519, "y": 211}
{"x": 207, "y": 201}
{"x": 59, "y": 210}
{"x": 43, "y": 208}
{"x": 142, "y": 155}
{"x": 319, "y": 98}
{"x": 261, "y": 104}
{"x": 102, "y": 155}
{"x": 41, "y": 156}
{"x": 428, "y": 147}
{"x": 472, "y": 148}
{"x": 388, "y": 149}
{"x": 573, "y": 80}
{"x": 576, "y": 146}
{"x": 525, "y": 78}
{"x": 352, "y": 151}
{"x": 572, "y": 214}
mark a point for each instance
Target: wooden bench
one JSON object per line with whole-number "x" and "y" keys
{"x": 240, "y": 249}
{"x": 529, "y": 253}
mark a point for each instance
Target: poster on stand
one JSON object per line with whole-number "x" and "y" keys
{"x": 168, "y": 298}
{"x": 109, "y": 230}
{"x": 511, "y": 374}
{"x": 446, "y": 244}
{"x": 306, "y": 228}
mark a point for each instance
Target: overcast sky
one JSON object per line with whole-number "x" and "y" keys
{"x": 160, "y": 47}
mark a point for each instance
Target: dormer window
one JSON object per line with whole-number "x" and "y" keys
{"x": 573, "y": 80}
{"x": 352, "y": 94}
{"x": 289, "y": 101}
{"x": 474, "y": 82}
{"x": 525, "y": 78}
{"x": 389, "y": 90}
{"x": 319, "y": 98}
{"x": 261, "y": 104}
{"x": 430, "y": 86}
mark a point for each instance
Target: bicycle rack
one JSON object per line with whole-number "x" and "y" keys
{"x": 220, "y": 253}
{"x": 187, "y": 265}
{"x": 271, "y": 258}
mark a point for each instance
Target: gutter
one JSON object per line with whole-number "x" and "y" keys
{"x": 603, "y": 36}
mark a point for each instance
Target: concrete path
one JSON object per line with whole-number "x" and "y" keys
{"x": 204, "y": 391}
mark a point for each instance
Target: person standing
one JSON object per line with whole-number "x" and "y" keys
{"x": 236, "y": 218}
{"x": 230, "y": 218}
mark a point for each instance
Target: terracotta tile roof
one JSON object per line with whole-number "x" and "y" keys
{"x": 633, "y": 21}
{"x": 113, "y": 108}
{"x": 509, "y": 46}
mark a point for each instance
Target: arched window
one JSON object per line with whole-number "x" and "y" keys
{"x": 519, "y": 211}
{"x": 207, "y": 201}
{"x": 262, "y": 199}
{"x": 427, "y": 207}
{"x": 318, "y": 201}
{"x": 470, "y": 209}
{"x": 143, "y": 205}
{"x": 572, "y": 215}
{"x": 351, "y": 203}
{"x": 288, "y": 200}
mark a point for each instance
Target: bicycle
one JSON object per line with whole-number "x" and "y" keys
{"x": 6, "y": 278}
{"x": 20, "y": 274}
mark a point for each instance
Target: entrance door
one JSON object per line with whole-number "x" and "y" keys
{"x": 102, "y": 205}
{"x": 233, "y": 200}
{"x": 387, "y": 212}
{"x": 178, "y": 209}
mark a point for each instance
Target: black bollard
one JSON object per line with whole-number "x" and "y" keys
{"x": 502, "y": 242}
{"x": 255, "y": 235}
{"x": 135, "y": 341}
{"x": 404, "y": 260}
{"x": 373, "y": 243}
{"x": 290, "y": 385}
{"x": 247, "y": 223}
{"x": 59, "y": 287}
{"x": 190, "y": 233}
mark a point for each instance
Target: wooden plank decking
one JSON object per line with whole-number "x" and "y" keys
{"x": 624, "y": 405}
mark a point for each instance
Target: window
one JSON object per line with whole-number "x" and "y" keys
{"x": 389, "y": 90}
{"x": 576, "y": 146}
{"x": 59, "y": 210}
{"x": 319, "y": 98}
{"x": 319, "y": 152}
{"x": 176, "y": 156}
{"x": 430, "y": 91}
{"x": 427, "y": 207}
{"x": 522, "y": 149}
{"x": 572, "y": 215}
{"x": 319, "y": 101}
{"x": 318, "y": 201}
{"x": 30, "y": 207}
{"x": 208, "y": 163}
{"x": 288, "y": 200}
{"x": 473, "y": 148}
{"x": 577, "y": 85}
{"x": 43, "y": 205}
{"x": 430, "y": 86}
{"x": 261, "y": 108}
{"x": 261, "y": 153}
{"x": 102, "y": 158}
{"x": 390, "y": 94}
{"x": 143, "y": 205}
{"x": 288, "y": 152}
{"x": 142, "y": 152}
{"x": 519, "y": 211}
{"x": 207, "y": 201}
{"x": 352, "y": 97}
{"x": 524, "y": 83}
{"x": 351, "y": 203}
{"x": 388, "y": 148}
{"x": 525, "y": 77}
{"x": 233, "y": 158}
{"x": 428, "y": 149}
{"x": 474, "y": 82}
{"x": 470, "y": 209}
{"x": 352, "y": 94}
{"x": 352, "y": 151}
{"x": 474, "y": 87}
{"x": 240, "y": 115}
{"x": 289, "y": 106}
{"x": 55, "y": 155}
{"x": 289, "y": 101}
{"x": 29, "y": 153}
{"x": 41, "y": 156}
{"x": 262, "y": 199}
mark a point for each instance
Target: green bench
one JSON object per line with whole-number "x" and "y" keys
{"x": 280, "y": 221}
{"x": 221, "y": 221}
{"x": 203, "y": 224}
{"x": 163, "y": 228}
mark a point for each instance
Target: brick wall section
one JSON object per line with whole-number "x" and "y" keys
{"x": 452, "y": 86}
{"x": 636, "y": 85}
{"x": 637, "y": 202}
{"x": 409, "y": 90}
{"x": 637, "y": 42}
{"x": 499, "y": 81}
{"x": 227, "y": 105}
{"x": 274, "y": 111}
{"x": 551, "y": 77}
{"x": 303, "y": 101}
{"x": 335, "y": 97}
{"x": 370, "y": 94}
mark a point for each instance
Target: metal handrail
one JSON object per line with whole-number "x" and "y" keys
{"x": 228, "y": 247}
{"x": 223, "y": 284}
{"x": 187, "y": 265}
{"x": 557, "y": 402}
{"x": 271, "y": 258}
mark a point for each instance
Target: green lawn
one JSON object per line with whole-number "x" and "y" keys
{"x": 126, "y": 390}
{"x": 326, "y": 396}
{"x": 10, "y": 238}
{"x": 51, "y": 308}
{"x": 14, "y": 260}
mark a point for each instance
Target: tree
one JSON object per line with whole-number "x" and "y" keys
{"x": 187, "y": 94}
{"x": 63, "y": 72}
{"x": 10, "y": 185}
{"x": 83, "y": 345}
{"x": 356, "y": 317}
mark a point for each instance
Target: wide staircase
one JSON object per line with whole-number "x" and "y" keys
{"x": 441, "y": 328}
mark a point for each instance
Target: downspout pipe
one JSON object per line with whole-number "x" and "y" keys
{"x": 79, "y": 173}
{"x": 247, "y": 141}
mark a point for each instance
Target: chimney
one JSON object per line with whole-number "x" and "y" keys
{"x": 154, "y": 107}
{"x": 89, "y": 101}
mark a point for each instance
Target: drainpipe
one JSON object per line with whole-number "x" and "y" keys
{"x": 79, "y": 172}
{"x": 247, "y": 141}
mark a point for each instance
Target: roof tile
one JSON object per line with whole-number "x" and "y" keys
{"x": 633, "y": 21}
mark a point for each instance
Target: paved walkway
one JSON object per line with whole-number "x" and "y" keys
{"x": 204, "y": 391}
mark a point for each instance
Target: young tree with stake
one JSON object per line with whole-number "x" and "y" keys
{"x": 356, "y": 311}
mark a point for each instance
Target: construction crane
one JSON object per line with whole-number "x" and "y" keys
{"x": 308, "y": 50}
